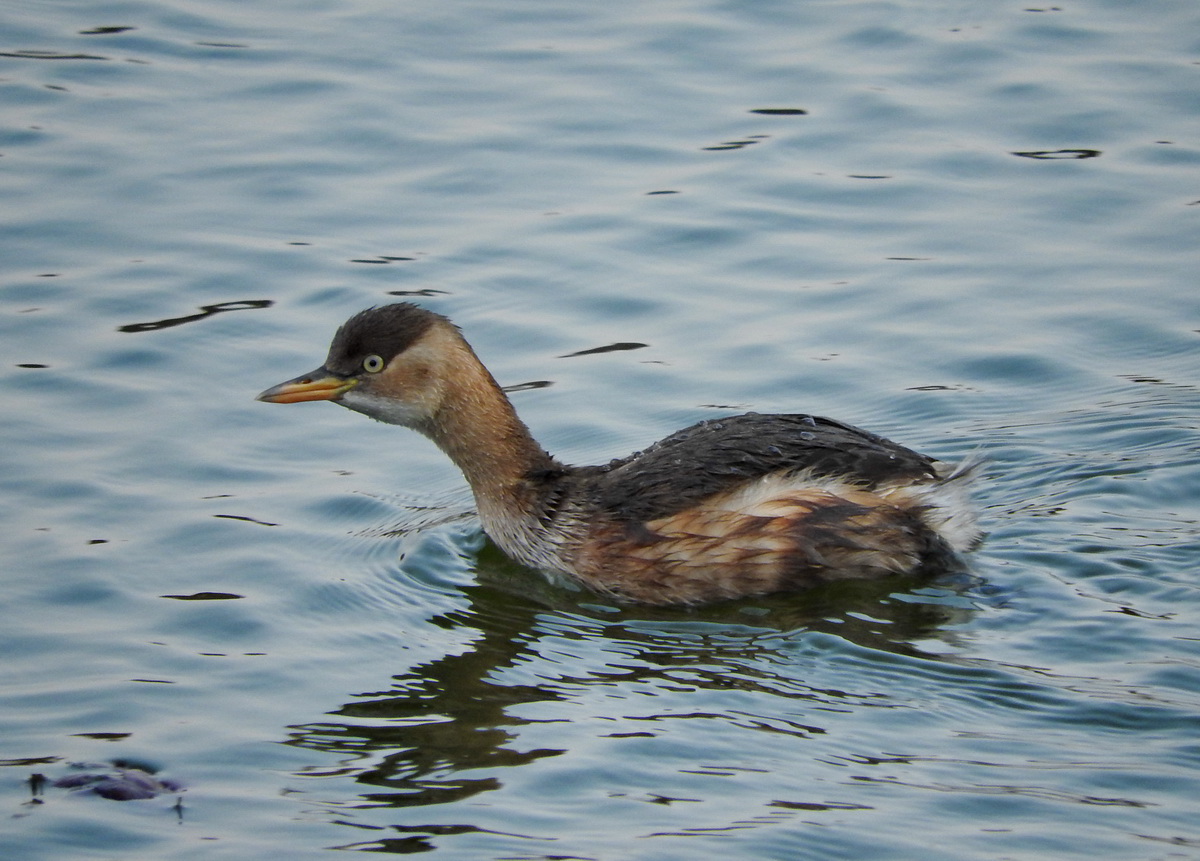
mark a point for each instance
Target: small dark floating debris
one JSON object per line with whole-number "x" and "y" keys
{"x": 532, "y": 384}
{"x": 667, "y": 800}
{"x": 426, "y": 291}
{"x": 205, "y": 311}
{"x": 205, "y": 596}
{"x": 98, "y": 541}
{"x": 443, "y": 829}
{"x": 105, "y": 31}
{"x": 383, "y": 258}
{"x": 48, "y": 55}
{"x": 104, "y": 736}
{"x": 779, "y": 112}
{"x": 817, "y": 805}
{"x": 664, "y": 191}
{"x": 610, "y": 348}
{"x": 246, "y": 519}
{"x": 27, "y": 761}
{"x": 31, "y": 365}
{"x": 1051, "y": 154}
{"x": 727, "y": 145}
{"x": 1130, "y": 611}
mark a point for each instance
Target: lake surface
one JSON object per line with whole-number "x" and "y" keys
{"x": 969, "y": 226}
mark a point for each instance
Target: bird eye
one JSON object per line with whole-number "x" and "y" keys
{"x": 373, "y": 364}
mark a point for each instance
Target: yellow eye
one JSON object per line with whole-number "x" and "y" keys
{"x": 373, "y": 364}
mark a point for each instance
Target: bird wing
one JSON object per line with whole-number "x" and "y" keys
{"x": 715, "y": 456}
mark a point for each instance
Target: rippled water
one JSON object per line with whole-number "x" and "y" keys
{"x": 969, "y": 226}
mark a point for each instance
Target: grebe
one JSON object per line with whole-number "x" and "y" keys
{"x": 727, "y": 508}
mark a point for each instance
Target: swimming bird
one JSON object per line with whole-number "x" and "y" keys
{"x": 727, "y": 508}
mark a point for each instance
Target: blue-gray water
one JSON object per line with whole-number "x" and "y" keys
{"x": 980, "y": 235}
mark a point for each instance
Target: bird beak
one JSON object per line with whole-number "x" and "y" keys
{"x": 320, "y": 385}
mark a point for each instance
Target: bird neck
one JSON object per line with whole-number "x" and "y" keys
{"x": 476, "y": 425}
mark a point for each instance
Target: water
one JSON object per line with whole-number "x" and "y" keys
{"x": 979, "y": 236}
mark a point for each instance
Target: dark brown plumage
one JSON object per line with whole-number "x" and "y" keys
{"x": 696, "y": 462}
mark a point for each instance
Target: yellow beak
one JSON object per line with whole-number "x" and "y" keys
{"x": 320, "y": 385}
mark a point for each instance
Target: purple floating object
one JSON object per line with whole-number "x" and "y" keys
{"x": 129, "y": 784}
